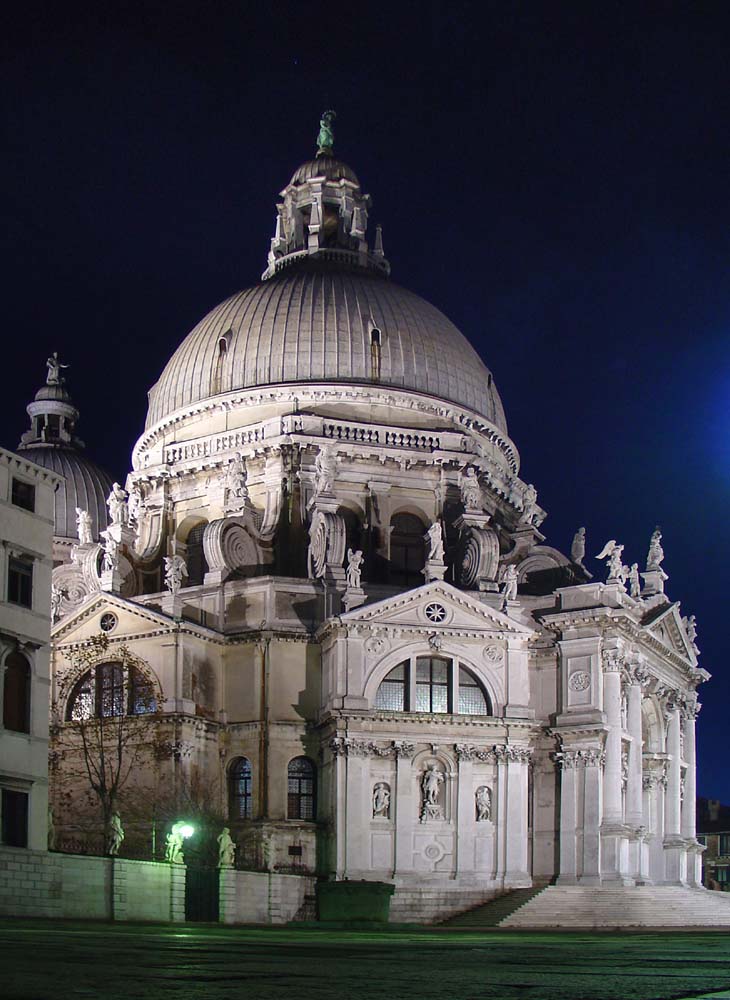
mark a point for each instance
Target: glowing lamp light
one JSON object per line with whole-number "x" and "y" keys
{"x": 186, "y": 830}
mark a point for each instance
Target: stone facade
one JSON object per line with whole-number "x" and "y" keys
{"x": 26, "y": 531}
{"x": 363, "y": 650}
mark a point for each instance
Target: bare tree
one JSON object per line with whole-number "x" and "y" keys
{"x": 107, "y": 736}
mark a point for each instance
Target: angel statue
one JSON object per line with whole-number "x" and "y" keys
{"x": 616, "y": 569}
{"x": 175, "y": 570}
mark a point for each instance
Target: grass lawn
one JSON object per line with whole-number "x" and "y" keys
{"x": 44, "y": 960}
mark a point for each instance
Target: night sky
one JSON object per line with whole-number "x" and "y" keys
{"x": 554, "y": 177}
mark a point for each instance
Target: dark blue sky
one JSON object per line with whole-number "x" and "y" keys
{"x": 554, "y": 177}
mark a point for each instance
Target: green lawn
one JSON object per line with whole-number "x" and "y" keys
{"x": 41, "y": 961}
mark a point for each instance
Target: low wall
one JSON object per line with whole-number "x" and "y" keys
{"x": 43, "y": 884}
{"x": 265, "y": 897}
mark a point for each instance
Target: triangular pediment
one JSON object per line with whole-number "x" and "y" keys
{"x": 665, "y": 624}
{"x": 131, "y": 619}
{"x": 436, "y": 606}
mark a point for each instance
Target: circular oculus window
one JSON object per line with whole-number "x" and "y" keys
{"x": 108, "y": 622}
{"x": 435, "y": 613}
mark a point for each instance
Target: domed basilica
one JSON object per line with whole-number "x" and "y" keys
{"x": 329, "y": 579}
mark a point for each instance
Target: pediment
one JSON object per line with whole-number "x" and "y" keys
{"x": 131, "y": 619}
{"x": 666, "y": 625}
{"x": 436, "y": 606}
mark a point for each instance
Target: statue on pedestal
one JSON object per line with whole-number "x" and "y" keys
{"x": 117, "y": 504}
{"x": 634, "y": 582}
{"x": 226, "y": 849}
{"x": 175, "y": 570}
{"x": 578, "y": 548}
{"x": 471, "y": 491}
{"x": 354, "y": 571}
{"x": 236, "y": 495}
{"x": 115, "y": 834}
{"x": 54, "y": 366}
{"x": 381, "y": 799}
{"x": 655, "y": 556}
{"x": 83, "y": 526}
{"x": 616, "y": 569}
{"x": 111, "y": 552}
{"x": 483, "y": 798}
{"x": 173, "y": 847}
{"x": 325, "y": 470}
{"x": 509, "y": 583}
{"x": 431, "y": 782}
{"x": 434, "y": 537}
{"x": 529, "y": 505}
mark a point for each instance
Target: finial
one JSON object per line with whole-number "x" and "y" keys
{"x": 54, "y": 366}
{"x": 326, "y": 137}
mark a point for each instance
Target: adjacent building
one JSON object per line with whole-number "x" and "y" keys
{"x": 27, "y": 493}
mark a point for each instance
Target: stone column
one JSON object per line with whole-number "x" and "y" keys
{"x": 592, "y": 760}
{"x": 516, "y": 854}
{"x": 675, "y": 856}
{"x": 612, "y": 809}
{"x": 674, "y": 774}
{"x": 568, "y": 863}
{"x": 688, "y": 822}
{"x": 634, "y": 807}
{"x": 357, "y": 802}
{"x": 501, "y": 813}
{"x": 405, "y": 807}
{"x": 612, "y": 829}
{"x": 689, "y": 830}
{"x": 465, "y": 811}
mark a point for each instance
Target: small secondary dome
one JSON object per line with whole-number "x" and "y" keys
{"x": 51, "y": 442}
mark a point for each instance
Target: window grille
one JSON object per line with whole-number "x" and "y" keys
{"x": 240, "y": 789}
{"x": 301, "y": 802}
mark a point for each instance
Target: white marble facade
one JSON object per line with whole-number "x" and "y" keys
{"x": 476, "y": 710}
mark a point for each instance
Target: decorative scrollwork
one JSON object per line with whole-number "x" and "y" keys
{"x": 480, "y": 557}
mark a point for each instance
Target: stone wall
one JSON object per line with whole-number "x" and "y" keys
{"x": 42, "y": 884}
{"x": 265, "y": 898}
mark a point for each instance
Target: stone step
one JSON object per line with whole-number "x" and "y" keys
{"x": 492, "y": 913}
{"x": 641, "y": 906}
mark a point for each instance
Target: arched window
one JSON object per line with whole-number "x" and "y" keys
{"x": 302, "y": 789}
{"x": 407, "y": 550}
{"x": 109, "y": 690}
{"x": 432, "y": 684}
{"x": 239, "y": 789}
{"x": 16, "y": 694}
{"x": 472, "y": 699}
{"x": 392, "y": 695}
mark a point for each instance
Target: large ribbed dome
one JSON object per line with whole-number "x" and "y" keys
{"x": 86, "y": 486}
{"x": 314, "y": 325}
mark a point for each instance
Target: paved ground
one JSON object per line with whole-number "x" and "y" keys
{"x": 46, "y": 961}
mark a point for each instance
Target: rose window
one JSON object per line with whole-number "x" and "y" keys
{"x": 435, "y": 612}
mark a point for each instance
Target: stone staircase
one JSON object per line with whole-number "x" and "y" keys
{"x": 491, "y": 914}
{"x": 574, "y": 906}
